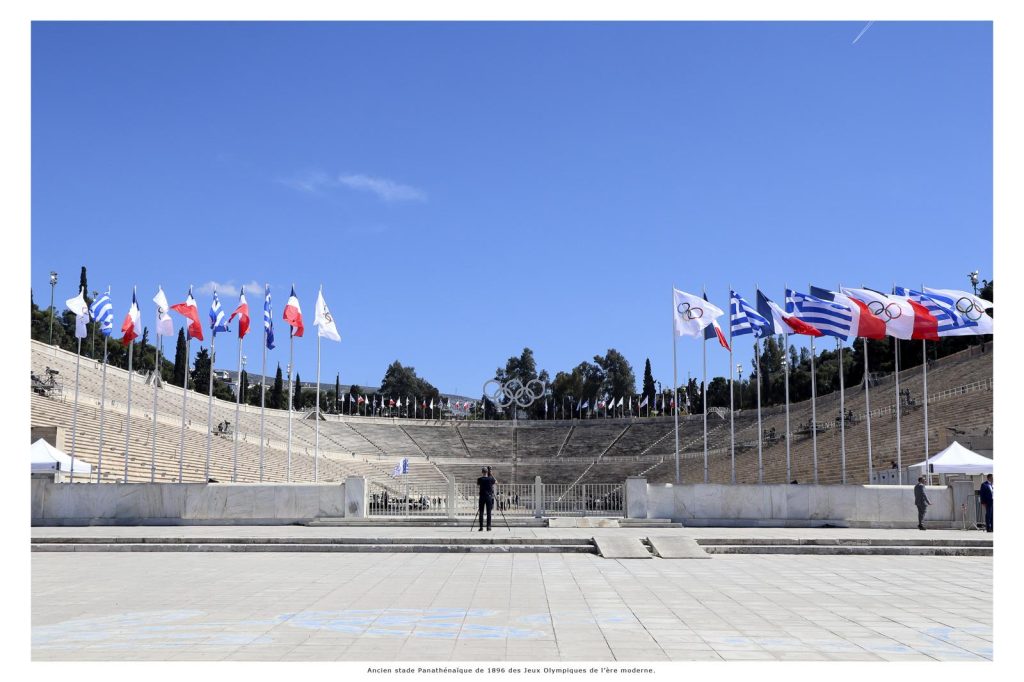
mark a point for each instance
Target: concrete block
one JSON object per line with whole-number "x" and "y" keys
{"x": 636, "y": 497}
{"x": 355, "y": 492}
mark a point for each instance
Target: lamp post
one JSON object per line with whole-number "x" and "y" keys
{"x": 659, "y": 393}
{"x": 53, "y": 285}
{"x": 974, "y": 281}
{"x": 739, "y": 372}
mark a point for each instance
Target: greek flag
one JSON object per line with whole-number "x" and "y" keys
{"x": 946, "y": 311}
{"x": 268, "y": 320}
{"x": 401, "y": 468}
{"x": 103, "y": 313}
{"x": 217, "y": 321}
{"x": 744, "y": 319}
{"x": 831, "y": 319}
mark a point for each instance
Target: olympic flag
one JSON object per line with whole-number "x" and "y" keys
{"x": 692, "y": 314}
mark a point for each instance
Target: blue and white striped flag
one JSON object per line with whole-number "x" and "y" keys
{"x": 268, "y": 320}
{"x": 744, "y": 319}
{"x": 401, "y": 468}
{"x": 103, "y": 313}
{"x": 217, "y": 321}
{"x": 956, "y": 317}
{"x": 831, "y": 319}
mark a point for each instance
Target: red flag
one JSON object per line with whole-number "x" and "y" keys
{"x": 242, "y": 311}
{"x": 926, "y": 326}
{"x": 132, "y": 325}
{"x": 293, "y": 314}
{"x": 190, "y": 310}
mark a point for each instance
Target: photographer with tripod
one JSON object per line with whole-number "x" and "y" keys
{"x": 486, "y": 484}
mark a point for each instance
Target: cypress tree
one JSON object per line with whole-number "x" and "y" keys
{"x": 180, "y": 360}
{"x": 201, "y": 371}
{"x": 277, "y": 391}
{"x": 337, "y": 392}
{"x": 297, "y": 395}
{"x": 648, "y": 383}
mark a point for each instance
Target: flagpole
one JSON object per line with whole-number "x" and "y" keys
{"x": 789, "y": 467}
{"x": 184, "y": 403}
{"x": 757, "y": 368}
{"x": 704, "y": 399}
{"x": 924, "y": 365}
{"x": 74, "y": 411}
{"x": 675, "y": 382}
{"x": 814, "y": 416}
{"x": 899, "y": 409}
{"x": 263, "y": 396}
{"x": 209, "y": 404}
{"x": 128, "y": 417}
{"x": 238, "y": 403}
{"x": 103, "y": 406}
{"x": 291, "y": 362}
{"x": 867, "y": 407}
{"x": 316, "y": 447}
{"x": 732, "y": 408}
{"x": 156, "y": 381}
{"x": 842, "y": 413}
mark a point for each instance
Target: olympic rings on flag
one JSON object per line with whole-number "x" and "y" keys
{"x": 969, "y": 308}
{"x": 689, "y": 312}
{"x": 890, "y": 311}
{"x": 514, "y": 391}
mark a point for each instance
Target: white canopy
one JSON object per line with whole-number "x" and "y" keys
{"x": 45, "y": 457}
{"x": 956, "y": 459}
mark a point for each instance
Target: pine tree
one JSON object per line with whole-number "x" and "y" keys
{"x": 201, "y": 371}
{"x": 648, "y": 383}
{"x": 277, "y": 391}
{"x": 180, "y": 359}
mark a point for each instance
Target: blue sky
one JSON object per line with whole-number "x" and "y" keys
{"x": 463, "y": 189}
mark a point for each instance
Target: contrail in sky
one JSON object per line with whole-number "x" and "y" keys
{"x": 862, "y": 32}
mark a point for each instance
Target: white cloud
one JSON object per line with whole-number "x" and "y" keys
{"x": 312, "y": 183}
{"x": 229, "y": 288}
{"x": 385, "y": 189}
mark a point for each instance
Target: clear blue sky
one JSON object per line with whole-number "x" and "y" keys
{"x": 463, "y": 190}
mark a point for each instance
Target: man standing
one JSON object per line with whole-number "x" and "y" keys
{"x": 486, "y": 484}
{"x": 922, "y": 502}
{"x": 986, "y": 501}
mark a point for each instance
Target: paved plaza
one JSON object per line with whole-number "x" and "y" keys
{"x": 494, "y": 607}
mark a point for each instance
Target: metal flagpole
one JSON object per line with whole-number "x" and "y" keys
{"x": 74, "y": 411}
{"x": 924, "y": 365}
{"x": 291, "y": 362}
{"x": 156, "y": 382}
{"x": 867, "y": 408}
{"x": 316, "y": 446}
{"x": 789, "y": 467}
{"x": 128, "y": 417}
{"x": 757, "y": 368}
{"x": 675, "y": 381}
{"x": 899, "y": 409}
{"x": 704, "y": 399}
{"x": 103, "y": 407}
{"x": 184, "y": 403}
{"x": 842, "y": 413}
{"x": 238, "y": 402}
{"x": 732, "y": 409}
{"x": 209, "y": 404}
{"x": 814, "y": 416}
{"x": 263, "y": 397}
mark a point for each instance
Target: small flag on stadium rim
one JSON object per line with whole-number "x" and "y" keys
{"x": 190, "y": 311}
{"x": 132, "y": 325}
{"x": 268, "y": 319}
{"x": 643, "y": 404}
{"x": 401, "y": 468}
{"x": 828, "y": 317}
{"x": 80, "y": 308}
{"x": 217, "y": 321}
{"x": 323, "y": 320}
{"x": 585, "y": 405}
{"x": 102, "y": 311}
{"x": 164, "y": 324}
{"x": 361, "y": 400}
{"x": 781, "y": 322}
{"x": 743, "y": 319}
{"x": 243, "y": 314}
{"x": 862, "y": 323}
{"x": 692, "y": 313}
{"x": 619, "y": 404}
{"x": 713, "y": 331}
{"x": 431, "y": 403}
{"x": 293, "y": 314}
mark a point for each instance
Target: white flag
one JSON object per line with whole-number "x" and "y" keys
{"x": 164, "y": 324}
{"x": 692, "y": 314}
{"x": 80, "y": 308}
{"x": 895, "y": 311}
{"x": 644, "y": 403}
{"x": 323, "y": 320}
{"x": 431, "y": 403}
{"x": 971, "y": 309}
{"x": 620, "y": 403}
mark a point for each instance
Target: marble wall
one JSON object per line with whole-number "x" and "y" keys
{"x": 863, "y": 506}
{"x": 65, "y": 504}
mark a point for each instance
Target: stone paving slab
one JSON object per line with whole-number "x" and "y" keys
{"x": 621, "y": 548}
{"x": 674, "y": 547}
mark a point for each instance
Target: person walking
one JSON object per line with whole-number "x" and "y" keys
{"x": 486, "y": 484}
{"x": 986, "y": 501}
{"x": 921, "y": 501}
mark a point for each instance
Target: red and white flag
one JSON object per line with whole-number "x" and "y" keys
{"x": 242, "y": 311}
{"x": 132, "y": 325}
{"x": 293, "y": 314}
{"x": 903, "y": 318}
{"x": 864, "y": 323}
{"x": 190, "y": 310}
{"x": 926, "y": 325}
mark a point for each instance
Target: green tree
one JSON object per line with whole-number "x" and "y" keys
{"x": 243, "y": 386}
{"x": 201, "y": 371}
{"x": 83, "y": 282}
{"x": 402, "y": 382}
{"x": 277, "y": 392}
{"x": 648, "y": 389}
{"x": 180, "y": 359}
{"x": 617, "y": 374}
{"x": 297, "y": 393}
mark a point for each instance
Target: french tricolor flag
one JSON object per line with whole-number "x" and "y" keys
{"x": 132, "y": 325}
{"x": 783, "y": 322}
{"x": 190, "y": 310}
{"x": 242, "y": 311}
{"x": 293, "y": 314}
{"x": 714, "y": 331}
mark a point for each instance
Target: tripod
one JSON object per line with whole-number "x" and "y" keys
{"x": 500, "y": 511}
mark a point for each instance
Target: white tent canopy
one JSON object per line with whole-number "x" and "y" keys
{"x": 956, "y": 459}
{"x": 45, "y": 457}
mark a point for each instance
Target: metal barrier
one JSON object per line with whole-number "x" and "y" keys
{"x": 585, "y": 499}
{"x": 405, "y": 499}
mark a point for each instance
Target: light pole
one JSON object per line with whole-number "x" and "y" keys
{"x": 659, "y": 393}
{"x": 974, "y": 281}
{"x": 739, "y": 372}
{"x": 53, "y": 285}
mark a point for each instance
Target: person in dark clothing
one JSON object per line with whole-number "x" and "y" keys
{"x": 986, "y": 501}
{"x": 486, "y": 484}
{"x": 921, "y": 501}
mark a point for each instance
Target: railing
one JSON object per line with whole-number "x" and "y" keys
{"x": 405, "y": 499}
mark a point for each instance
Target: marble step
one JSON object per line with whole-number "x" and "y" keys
{"x": 297, "y": 547}
{"x": 469, "y": 539}
{"x": 851, "y": 542}
{"x": 862, "y": 550}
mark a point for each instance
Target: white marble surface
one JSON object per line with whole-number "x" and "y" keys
{"x": 636, "y": 498}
